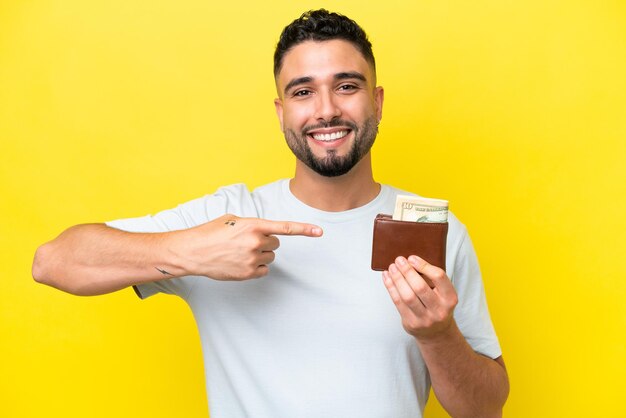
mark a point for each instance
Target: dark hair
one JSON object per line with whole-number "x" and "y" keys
{"x": 322, "y": 25}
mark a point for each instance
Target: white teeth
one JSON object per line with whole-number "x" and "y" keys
{"x": 330, "y": 137}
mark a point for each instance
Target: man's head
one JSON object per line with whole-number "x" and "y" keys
{"x": 322, "y": 25}
{"x": 328, "y": 106}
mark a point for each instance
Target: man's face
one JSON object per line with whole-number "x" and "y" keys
{"x": 328, "y": 105}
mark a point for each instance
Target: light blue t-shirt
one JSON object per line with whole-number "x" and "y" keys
{"x": 319, "y": 336}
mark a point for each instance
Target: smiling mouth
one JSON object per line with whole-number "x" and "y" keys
{"x": 328, "y": 137}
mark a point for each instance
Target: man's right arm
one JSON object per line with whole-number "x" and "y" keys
{"x": 95, "y": 259}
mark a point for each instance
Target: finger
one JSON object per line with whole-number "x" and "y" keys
{"x": 417, "y": 283}
{"x": 406, "y": 293}
{"x": 261, "y": 271}
{"x": 437, "y": 276}
{"x": 266, "y": 257}
{"x": 403, "y": 309}
{"x": 288, "y": 228}
{"x": 269, "y": 243}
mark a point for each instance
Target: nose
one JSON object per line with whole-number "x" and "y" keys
{"x": 327, "y": 107}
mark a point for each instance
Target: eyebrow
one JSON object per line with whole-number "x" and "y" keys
{"x": 339, "y": 76}
{"x": 350, "y": 75}
{"x": 296, "y": 82}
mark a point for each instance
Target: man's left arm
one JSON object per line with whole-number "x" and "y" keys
{"x": 467, "y": 384}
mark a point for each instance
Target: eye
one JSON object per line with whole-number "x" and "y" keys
{"x": 301, "y": 93}
{"x": 347, "y": 88}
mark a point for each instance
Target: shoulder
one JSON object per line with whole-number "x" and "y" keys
{"x": 271, "y": 189}
{"x": 268, "y": 196}
{"x": 235, "y": 199}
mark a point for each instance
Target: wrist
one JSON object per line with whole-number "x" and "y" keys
{"x": 443, "y": 336}
{"x": 170, "y": 261}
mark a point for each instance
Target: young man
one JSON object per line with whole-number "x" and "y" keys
{"x": 317, "y": 334}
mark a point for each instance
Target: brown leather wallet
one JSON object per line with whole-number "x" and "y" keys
{"x": 399, "y": 238}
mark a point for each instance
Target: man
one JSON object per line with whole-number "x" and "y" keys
{"x": 317, "y": 334}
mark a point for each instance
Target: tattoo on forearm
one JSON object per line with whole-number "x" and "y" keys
{"x": 165, "y": 273}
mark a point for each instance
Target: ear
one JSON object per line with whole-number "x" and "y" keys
{"x": 278, "y": 104}
{"x": 379, "y": 97}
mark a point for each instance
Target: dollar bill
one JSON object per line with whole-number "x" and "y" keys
{"x": 420, "y": 209}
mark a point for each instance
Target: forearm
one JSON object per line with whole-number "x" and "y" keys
{"x": 94, "y": 259}
{"x": 466, "y": 383}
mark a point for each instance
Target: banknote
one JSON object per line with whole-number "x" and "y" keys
{"x": 420, "y": 209}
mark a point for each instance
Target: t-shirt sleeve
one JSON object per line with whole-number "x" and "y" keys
{"x": 233, "y": 199}
{"x": 471, "y": 313}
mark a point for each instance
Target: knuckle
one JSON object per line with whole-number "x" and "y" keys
{"x": 426, "y": 321}
{"x": 287, "y": 228}
{"x": 440, "y": 316}
{"x": 410, "y": 325}
{"x": 396, "y": 298}
{"x": 254, "y": 242}
{"x": 250, "y": 272}
{"x": 420, "y": 286}
{"x": 249, "y": 260}
{"x": 410, "y": 299}
{"x": 261, "y": 271}
{"x": 228, "y": 216}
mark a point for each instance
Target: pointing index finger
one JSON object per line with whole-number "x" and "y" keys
{"x": 289, "y": 228}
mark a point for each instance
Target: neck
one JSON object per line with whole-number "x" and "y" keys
{"x": 335, "y": 194}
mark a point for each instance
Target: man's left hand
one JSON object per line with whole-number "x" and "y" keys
{"x": 426, "y": 313}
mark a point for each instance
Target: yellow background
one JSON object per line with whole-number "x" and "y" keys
{"x": 515, "y": 111}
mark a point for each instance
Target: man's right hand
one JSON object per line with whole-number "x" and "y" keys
{"x": 233, "y": 248}
{"x": 93, "y": 259}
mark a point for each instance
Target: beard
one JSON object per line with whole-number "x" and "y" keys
{"x": 332, "y": 165}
